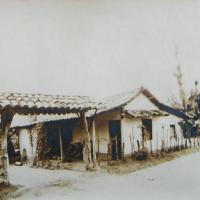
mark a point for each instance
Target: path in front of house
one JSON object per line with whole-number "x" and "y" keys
{"x": 175, "y": 180}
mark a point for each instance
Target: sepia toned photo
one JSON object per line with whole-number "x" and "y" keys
{"x": 99, "y": 99}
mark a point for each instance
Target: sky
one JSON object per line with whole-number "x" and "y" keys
{"x": 98, "y": 47}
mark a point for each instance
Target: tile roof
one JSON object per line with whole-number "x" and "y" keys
{"x": 144, "y": 113}
{"x": 48, "y": 104}
{"x": 118, "y": 100}
{"x": 40, "y": 103}
{"x": 121, "y": 100}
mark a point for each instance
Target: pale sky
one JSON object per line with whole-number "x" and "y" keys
{"x": 98, "y": 47}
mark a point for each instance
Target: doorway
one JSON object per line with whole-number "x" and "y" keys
{"x": 53, "y": 132}
{"x": 115, "y": 138}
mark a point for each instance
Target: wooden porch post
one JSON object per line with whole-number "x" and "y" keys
{"x": 94, "y": 142}
{"x": 61, "y": 145}
{"x": 87, "y": 158}
{"x": 6, "y": 119}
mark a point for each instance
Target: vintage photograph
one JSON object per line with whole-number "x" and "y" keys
{"x": 99, "y": 99}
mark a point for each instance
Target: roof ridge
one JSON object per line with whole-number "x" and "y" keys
{"x": 122, "y": 93}
{"x": 118, "y": 100}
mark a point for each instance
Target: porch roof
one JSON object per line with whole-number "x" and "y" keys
{"x": 144, "y": 113}
{"x": 22, "y": 121}
{"x": 45, "y": 104}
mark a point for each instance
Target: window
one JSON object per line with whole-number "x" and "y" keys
{"x": 173, "y": 131}
{"x": 147, "y": 129}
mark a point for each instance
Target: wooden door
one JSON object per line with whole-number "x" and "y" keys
{"x": 115, "y": 138}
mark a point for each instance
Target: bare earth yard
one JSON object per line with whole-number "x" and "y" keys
{"x": 178, "y": 179}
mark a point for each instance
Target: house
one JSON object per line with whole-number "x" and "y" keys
{"x": 137, "y": 119}
{"x": 128, "y": 122}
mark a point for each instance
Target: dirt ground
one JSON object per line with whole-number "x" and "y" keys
{"x": 132, "y": 165}
{"x": 125, "y": 166}
{"x": 5, "y": 190}
{"x": 32, "y": 183}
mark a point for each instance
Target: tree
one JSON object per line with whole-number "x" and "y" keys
{"x": 182, "y": 95}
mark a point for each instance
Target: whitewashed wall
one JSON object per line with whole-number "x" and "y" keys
{"x": 131, "y": 132}
{"x": 24, "y": 142}
{"x": 160, "y": 131}
{"x": 102, "y": 129}
{"x": 141, "y": 102}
